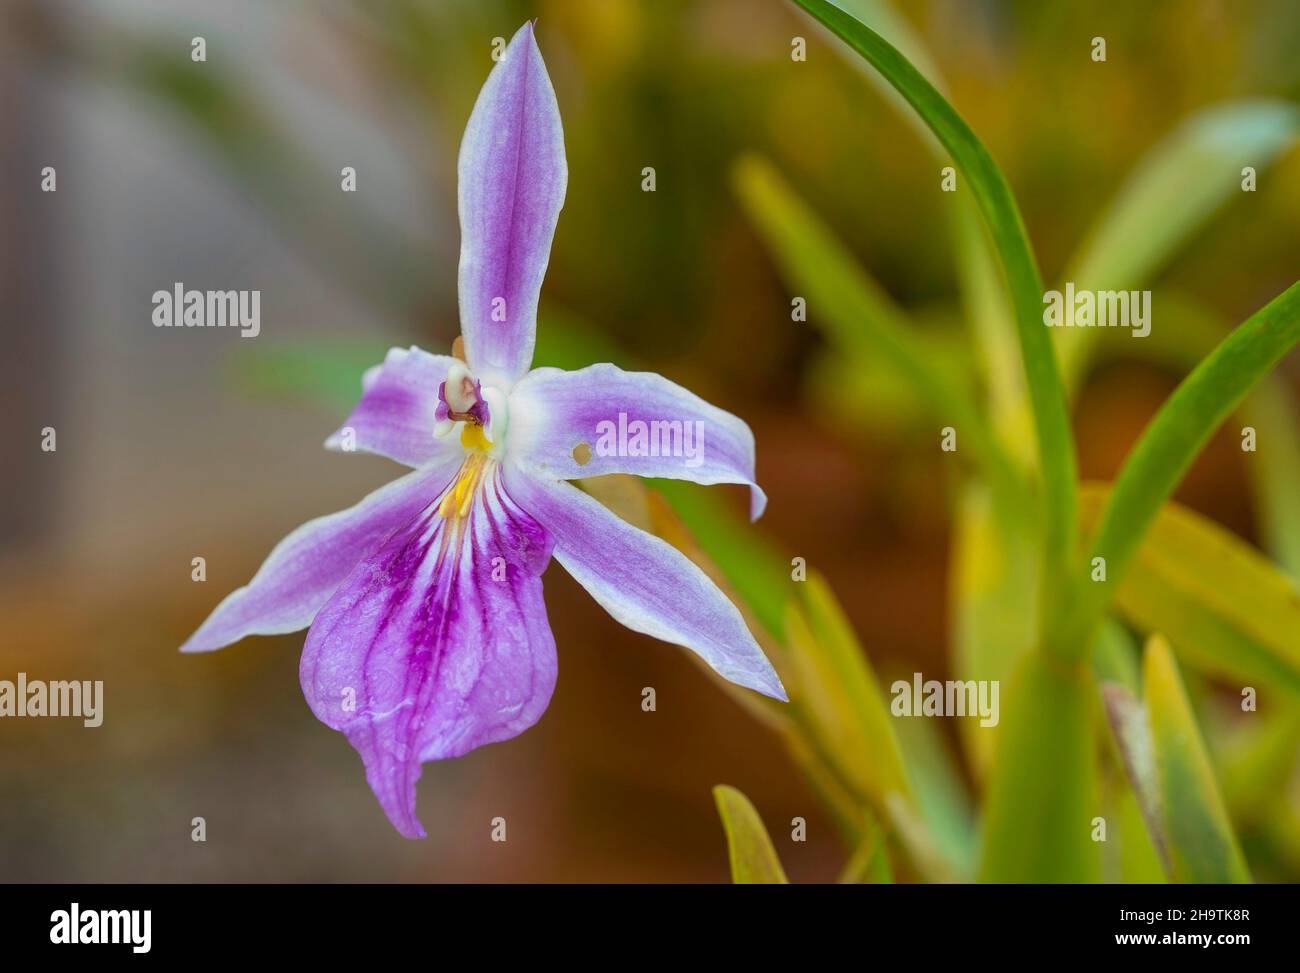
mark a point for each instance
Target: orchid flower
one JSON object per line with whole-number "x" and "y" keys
{"x": 428, "y": 634}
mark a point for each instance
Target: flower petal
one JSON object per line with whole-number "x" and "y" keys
{"x": 512, "y": 177}
{"x": 436, "y": 644}
{"x": 307, "y": 566}
{"x": 396, "y": 414}
{"x": 628, "y": 422}
{"x": 643, "y": 581}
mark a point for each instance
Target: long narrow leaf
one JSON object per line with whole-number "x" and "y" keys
{"x": 1132, "y": 732}
{"x": 1274, "y": 470}
{"x": 1225, "y": 607}
{"x": 989, "y": 186}
{"x": 845, "y": 702}
{"x": 1043, "y": 792}
{"x": 991, "y": 566}
{"x": 1168, "y": 197}
{"x": 1190, "y": 331}
{"x": 1202, "y": 844}
{"x": 982, "y": 285}
{"x": 1166, "y": 450}
{"x": 852, "y": 309}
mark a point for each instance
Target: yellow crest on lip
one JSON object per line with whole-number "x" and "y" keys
{"x": 461, "y": 494}
{"x": 472, "y": 437}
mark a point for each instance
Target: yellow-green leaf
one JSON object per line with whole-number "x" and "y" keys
{"x": 1202, "y": 845}
{"x": 992, "y": 193}
{"x": 1139, "y": 861}
{"x": 1163, "y": 454}
{"x": 843, "y": 698}
{"x": 869, "y": 863}
{"x": 1169, "y": 196}
{"x": 1225, "y": 607}
{"x": 994, "y": 563}
{"x": 1132, "y": 731}
{"x": 942, "y": 800}
{"x": 854, "y": 312}
{"x": 753, "y": 859}
{"x": 1178, "y": 185}
{"x": 1043, "y": 791}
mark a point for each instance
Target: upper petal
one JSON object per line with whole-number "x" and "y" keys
{"x": 630, "y": 422}
{"x": 643, "y": 581}
{"x": 307, "y": 566}
{"x": 396, "y": 414}
{"x": 512, "y": 177}
{"x": 436, "y": 644}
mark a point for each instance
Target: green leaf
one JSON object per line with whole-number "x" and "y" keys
{"x": 844, "y": 700}
{"x": 988, "y": 310}
{"x": 1132, "y": 732}
{"x": 741, "y": 547}
{"x": 1169, "y": 196}
{"x": 1274, "y": 470}
{"x": 885, "y": 20}
{"x": 1178, "y": 185}
{"x": 1139, "y": 862}
{"x": 1190, "y": 332}
{"x": 852, "y": 310}
{"x": 1202, "y": 845}
{"x": 867, "y": 392}
{"x": 982, "y": 285}
{"x": 1225, "y": 607}
{"x": 1165, "y": 451}
{"x": 881, "y": 17}
{"x": 993, "y": 564}
{"x": 1252, "y": 757}
{"x": 869, "y": 863}
{"x": 944, "y": 804}
{"x": 989, "y": 187}
{"x": 1043, "y": 791}
{"x": 753, "y": 859}
{"x": 1115, "y": 655}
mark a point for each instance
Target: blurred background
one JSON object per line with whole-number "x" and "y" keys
{"x": 177, "y": 443}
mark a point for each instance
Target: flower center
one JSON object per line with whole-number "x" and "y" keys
{"x": 481, "y": 412}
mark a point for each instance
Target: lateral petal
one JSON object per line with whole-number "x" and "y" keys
{"x": 643, "y": 581}
{"x": 628, "y": 422}
{"x": 397, "y": 412}
{"x": 308, "y": 565}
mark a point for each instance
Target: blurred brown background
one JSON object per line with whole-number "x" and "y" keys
{"x": 178, "y": 443}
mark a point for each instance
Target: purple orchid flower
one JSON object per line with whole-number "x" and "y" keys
{"x": 428, "y": 633}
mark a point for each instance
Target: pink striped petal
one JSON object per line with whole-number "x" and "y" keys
{"x": 512, "y": 177}
{"x": 644, "y": 582}
{"x": 436, "y": 644}
{"x": 308, "y": 566}
{"x": 629, "y": 422}
{"x": 398, "y": 410}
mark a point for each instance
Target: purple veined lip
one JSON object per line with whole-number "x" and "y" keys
{"x": 427, "y": 631}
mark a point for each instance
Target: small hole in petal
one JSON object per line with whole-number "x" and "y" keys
{"x": 582, "y": 454}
